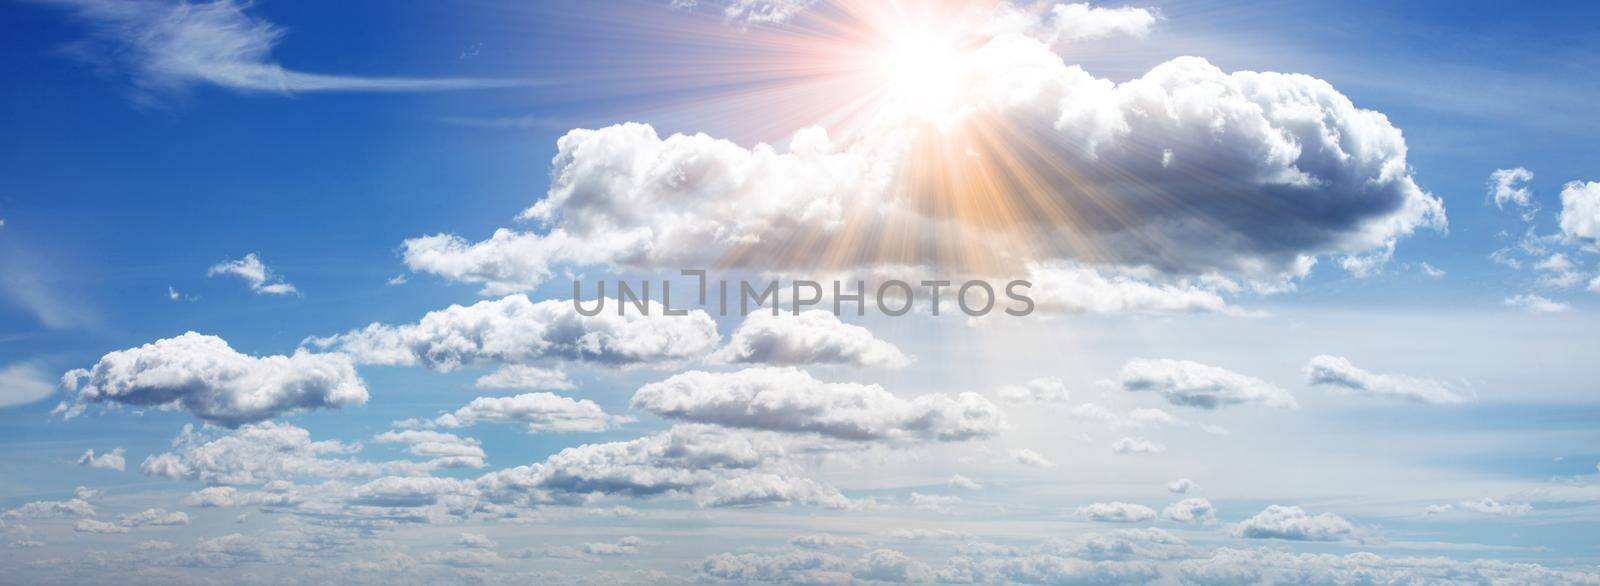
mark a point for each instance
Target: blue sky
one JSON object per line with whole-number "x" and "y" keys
{"x": 148, "y": 143}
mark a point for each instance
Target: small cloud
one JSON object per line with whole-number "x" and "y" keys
{"x": 258, "y": 276}
{"x": 1031, "y": 459}
{"x": 1532, "y": 303}
{"x": 112, "y": 460}
{"x": 1137, "y": 445}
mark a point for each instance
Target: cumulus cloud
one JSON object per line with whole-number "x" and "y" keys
{"x": 1181, "y": 486}
{"x": 519, "y": 376}
{"x": 1191, "y": 384}
{"x": 171, "y": 46}
{"x": 276, "y": 493}
{"x": 1068, "y": 23}
{"x": 154, "y": 517}
{"x": 717, "y": 467}
{"x": 789, "y": 399}
{"x": 1489, "y": 506}
{"x": 962, "y": 482}
{"x": 1116, "y": 512}
{"x": 1137, "y": 445}
{"x": 96, "y": 526}
{"x": 475, "y": 541}
{"x": 516, "y": 330}
{"x": 445, "y": 450}
{"x": 76, "y": 507}
{"x": 1533, "y": 303}
{"x": 812, "y": 338}
{"x": 1192, "y": 510}
{"x": 1338, "y": 372}
{"x": 262, "y": 453}
{"x": 1294, "y": 524}
{"x": 1293, "y": 172}
{"x": 204, "y": 376}
{"x": 112, "y": 460}
{"x": 625, "y": 546}
{"x": 1580, "y": 211}
{"x": 1031, "y": 459}
{"x": 1077, "y": 288}
{"x": 538, "y": 412}
{"x": 1043, "y": 389}
{"x": 23, "y": 383}
{"x": 1510, "y": 186}
{"x": 259, "y": 277}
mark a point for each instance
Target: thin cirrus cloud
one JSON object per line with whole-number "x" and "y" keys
{"x": 171, "y": 46}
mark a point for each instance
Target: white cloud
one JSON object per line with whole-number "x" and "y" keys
{"x": 962, "y": 482}
{"x": 154, "y": 517}
{"x": 278, "y": 493}
{"x": 171, "y": 46}
{"x": 1580, "y": 211}
{"x": 1137, "y": 445}
{"x": 1338, "y": 372}
{"x": 1031, "y": 459}
{"x": 94, "y": 526}
{"x": 1335, "y": 176}
{"x": 475, "y": 541}
{"x": 1293, "y": 523}
{"x": 625, "y": 546}
{"x": 1510, "y": 186}
{"x": 789, "y": 399}
{"x": 813, "y": 337}
{"x": 1191, "y": 384}
{"x": 204, "y": 376}
{"x": 262, "y": 453}
{"x": 1043, "y": 389}
{"x": 515, "y": 330}
{"x": 539, "y": 412}
{"x": 1076, "y": 288}
{"x": 77, "y": 507}
{"x": 112, "y": 460}
{"x": 445, "y": 450}
{"x": 1068, "y": 23}
{"x": 1192, "y": 510}
{"x": 520, "y": 376}
{"x": 1431, "y": 271}
{"x": 23, "y": 383}
{"x": 259, "y": 277}
{"x": 718, "y": 467}
{"x": 1489, "y": 506}
{"x": 1116, "y": 512}
{"x": 1181, "y": 486}
{"x": 1533, "y": 303}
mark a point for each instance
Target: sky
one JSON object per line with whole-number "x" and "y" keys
{"x": 286, "y": 292}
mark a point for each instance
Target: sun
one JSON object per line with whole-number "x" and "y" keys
{"x": 921, "y": 69}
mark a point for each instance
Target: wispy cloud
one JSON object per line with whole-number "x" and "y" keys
{"x": 172, "y": 46}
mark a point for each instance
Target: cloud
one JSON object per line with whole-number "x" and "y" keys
{"x": 1055, "y": 24}
{"x": 1031, "y": 459}
{"x": 262, "y": 453}
{"x": 962, "y": 482}
{"x": 812, "y": 338}
{"x": 790, "y": 400}
{"x": 539, "y": 412}
{"x": 625, "y": 546}
{"x": 1137, "y": 445}
{"x": 1580, "y": 211}
{"x": 1187, "y": 171}
{"x": 1294, "y": 524}
{"x": 1193, "y": 510}
{"x": 23, "y": 383}
{"x": 77, "y": 507}
{"x": 1076, "y": 288}
{"x": 445, "y": 450}
{"x": 1116, "y": 512}
{"x": 1489, "y": 506}
{"x": 278, "y": 493}
{"x": 475, "y": 541}
{"x": 1043, "y": 389}
{"x": 204, "y": 376}
{"x": 1533, "y": 303}
{"x": 1338, "y": 372}
{"x": 101, "y": 527}
{"x": 112, "y": 460}
{"x": 1510, "y": 186}
{"x": 718, "y": 467}
{"x": 259, "y": 277}
{"x": 515, "y": 330}
{"x": 154, "y": 517}
{"x": 1191, "y": 384}
{"x": 171, "y": 46}
{"x": 519, "y": 376}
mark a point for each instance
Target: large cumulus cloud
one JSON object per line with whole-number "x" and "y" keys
{"x": 204, "y": 376}
{"x": 1188, "y": 170}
